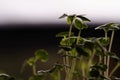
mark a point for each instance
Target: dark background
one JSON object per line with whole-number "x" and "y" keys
{"x": 19, "y": 42}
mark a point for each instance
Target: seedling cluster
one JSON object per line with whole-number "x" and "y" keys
{"x": 82, "y": 58}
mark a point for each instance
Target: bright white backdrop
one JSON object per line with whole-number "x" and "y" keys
{"x": 42, "y": 11}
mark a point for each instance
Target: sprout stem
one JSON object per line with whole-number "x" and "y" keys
{"x": 105, "y": 57}
{"x": 34, "y": 69}
{"x": 109, "y": 50}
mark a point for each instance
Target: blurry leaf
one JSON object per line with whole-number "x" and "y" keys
{"x": 99, "y": 66}
{"x": 4, "y": 76}
{"x": 31, "y": 61}
{"x": 116, "y": 58}
{"x": 37, "y": 77}
{"x": 61, "y": 51}
{"x": 63, "y": 42}
{"x": 94, "y": 73}
{"x": 81, "y": 40}
{"x": 104, "y": 26}
{"x": 63, "y": 16}
{"x": 99, "y": 51}
{"x": 67, "y": 41}
{"x": 66, "y": 48}
{"x": 84, "y": 25}
{"x": 42, "y": 55}
{"x": 64, "y": 34}
{"x": 103, "y": 67}
{"x": 83, "y": 18}
{"x": 70, "y": 19}
{"x": 104, "y": 41}
{"x": 81, "y": 51}
{"x": 73, "y": 52}
{"x": 115, "y": 27}
{"x": 78, "y": 24}
{"x": 55, "y": 75}
{"x": 119, "y": 26}
{"x": 109, "y": 26}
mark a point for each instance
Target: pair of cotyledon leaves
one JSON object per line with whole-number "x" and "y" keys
{"x": 40, "y": 54}
{"x": 109, "y": 26}
{"x": 78, "y": 20}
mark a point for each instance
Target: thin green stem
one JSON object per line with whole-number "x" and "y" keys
{"x": 100, "y": 61}
{"x": 72, "y": 68}
{"x": 91, "y": 59}
{"x": 78, "y": 38}
{"x": 34, "y": 69}
{"x": 83, "y": 74}
{"x": 106, "y": 34}
{"x": 109, "y": 50}
{"x": 64, "y": 62}
{"x": 105, "y": 57}
{"x": 70, "y": 30}
{"x": 67, "y": 61}
{"x": 67, "y": 58}
{"x": 59, "y": 76}
{"x": 82, "y": 68}
{"x": 74, "y": 59}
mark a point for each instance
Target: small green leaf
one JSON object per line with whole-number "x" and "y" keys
{"x": 70, "y": 19}
{"x": 67, "y": 41}
{"x": 63, "y": 16}
{"x": 78, "y": 24}
{"x": 83, "y": 18}
{"x": 99, "y": 66}
{"x": 109, "y": 26}
{"x": 104, "y": 26}
{"x": 114, "y": 27}
{"x": 64, "y": 42}
{"x": 104, "y": 41}
{"x": 4, "y": 76}
{"x": 31, "y": 61}
{"x": 41, "y": 55}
